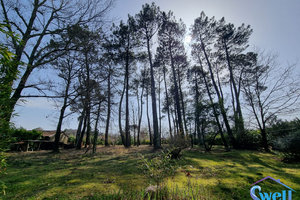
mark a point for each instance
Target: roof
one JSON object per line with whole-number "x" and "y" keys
{"x": 277, "y": 181}
{"x": 52, "y": 133}
{"x": 48, "y": 133}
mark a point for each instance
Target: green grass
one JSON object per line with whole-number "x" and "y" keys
{"x": 114, "y": 173}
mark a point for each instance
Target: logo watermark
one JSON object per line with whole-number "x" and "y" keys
{"x": 282, "y": 195}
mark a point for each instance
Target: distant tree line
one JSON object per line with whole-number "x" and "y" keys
{"x": 102, "y": 74}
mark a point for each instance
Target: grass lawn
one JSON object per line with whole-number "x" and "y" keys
{"x": 115, "y": 171}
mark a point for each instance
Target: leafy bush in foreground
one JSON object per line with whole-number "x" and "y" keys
{"x": 159, "y": 167}
{"x": 3, "y": 166}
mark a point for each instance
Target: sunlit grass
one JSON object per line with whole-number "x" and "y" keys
{"x": 114, "y": 173}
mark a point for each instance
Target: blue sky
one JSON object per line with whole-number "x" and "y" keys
{"x": 275, "y": 24}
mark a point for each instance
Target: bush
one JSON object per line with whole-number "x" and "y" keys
{"x": 217, "y": 140}
{"x": 99, "y": 141}
{"x": 23, "y": 134}
{"x": 145, "y": 142}
{"x": 164, "y": 141}
{"x": 284, "y": 136}
{"x": 3, "y": 166}
{"x": 283, "y": 128}
{"x": 289, "y": 146}
{"x": 5, "y": 139}
{"x": 71, "y": 139}
{"x": 251, "y": 140}
{"x": 158, "y": 167}
{"x": 179, "y": 142}
{"x": 119, "y": 141}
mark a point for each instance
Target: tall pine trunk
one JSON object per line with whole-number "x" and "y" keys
{"x": 159, "y": 106}
{"x": 182, "y": 104}
{"x": 62, "y": 113}
{"x": 168, "y": 104}
{"x": 127, "y": 128}
{"x": 140, "y": 117}
{"x": 176, "y": 95}
{"x": 88, "y": 130}
{"x": 79, "y": 142}
{"x": 81, "y": 119}
{"x": 156, "y": 134}
{"x": 197, "y": 111}
{"x": 88, "y": 99}
{"x": 108, "y": 107}
{"x": 148, "y": 118}
{"x": 120, "y": 114}
{"x": 174, "y": 123}
{"x": 96, "y": 128}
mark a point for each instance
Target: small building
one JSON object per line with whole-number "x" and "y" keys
{"x": 50, "y": 136}
{"x": 46, "y": 142}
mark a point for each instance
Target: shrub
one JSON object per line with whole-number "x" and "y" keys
{"x": 290, "y": 146}
{"x": 5, "y": 139}
{"x": 3, "y": 166}
{"x": 23, "y": 134}
{"x": 71, "y": 139}
{"x": 217, "y": 140}
{"x": 283, "y": 128}
{"x": 284, "y": 136}
{"x": 179, "y": 142}
{"x": 145, "y": 142}
{"x": 158, "y": 167}
{"x": 164, "y": 141}
{"x": 100, "y": 141}
{"x": 119, "y": 141}
{"x": 251, "y": 140}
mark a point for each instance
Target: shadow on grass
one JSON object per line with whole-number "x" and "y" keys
{"x": 75, "y": 175}
{"x": 242, "y": 168}
{"x": 36, "y": 175}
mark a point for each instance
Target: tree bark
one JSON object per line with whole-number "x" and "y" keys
{"x": 156, "y": 134}
{"x": 81, "y": 119}
{"x": 140, "y": 116}
{"x": 182, "y": 104}
{"x": 127, "y": 129}
{"x": 79, "y": 142}
{"x": 108, "y": 106}
{"x": 197, "y": 112}
{"x": 168, "y": 104}
{"x": 96, "y": 128}
{"x": 88, "y": 97}
{"x": 58, "y": 129}
{"x": 174, "y": 122}
{"x": 88, "y": 130}
{"x": 159, "y": 107}
{"x": 120, "y": 113}
{"x": 62, "y": 113}
{"x": 148, "y": 118}
{"x": 134, "y": 126}
{"x": 176, "y": 95}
